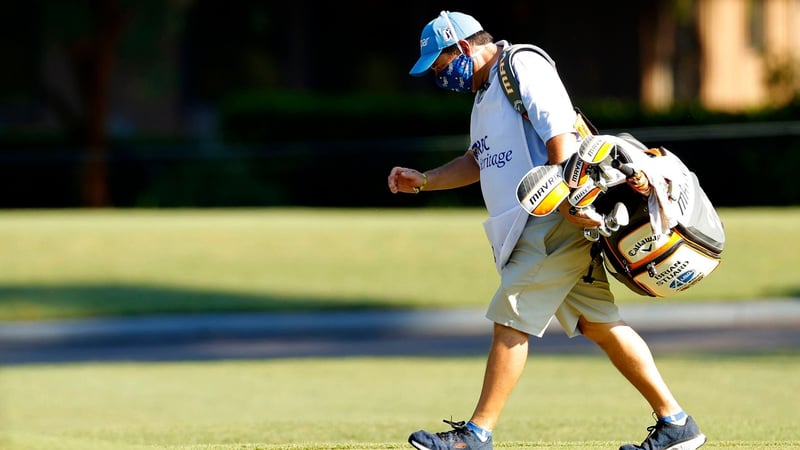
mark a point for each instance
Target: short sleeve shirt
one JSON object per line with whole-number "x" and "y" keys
{"x": 505, "y": 145}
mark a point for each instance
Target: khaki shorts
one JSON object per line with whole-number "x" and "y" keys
{"x": 543, "y": 278}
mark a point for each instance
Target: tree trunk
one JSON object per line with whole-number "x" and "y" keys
{"x": 93, "y": 60}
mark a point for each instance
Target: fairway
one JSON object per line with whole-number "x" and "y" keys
{"x": 83, "y": 263}
{"x": 562, "y": 402}
{"x": 63, "y": 264}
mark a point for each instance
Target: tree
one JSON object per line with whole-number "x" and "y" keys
{"x": 88, "y": 33}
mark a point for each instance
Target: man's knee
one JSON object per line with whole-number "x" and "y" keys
{"x": 508, "y": 335}
{"x": 597, "y": 331}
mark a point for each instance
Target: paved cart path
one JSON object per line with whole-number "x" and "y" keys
{"x": 764, "y": 325}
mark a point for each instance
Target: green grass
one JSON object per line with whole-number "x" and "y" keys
{"x": 77, "y": 263}
{"x": 561, "y": 402}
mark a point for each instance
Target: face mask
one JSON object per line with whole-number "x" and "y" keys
{"x": 457, "y": 76}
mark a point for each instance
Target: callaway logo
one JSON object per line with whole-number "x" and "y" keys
{"x": 645, "y": 245}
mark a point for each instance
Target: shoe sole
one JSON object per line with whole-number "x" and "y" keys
{"x": 691, "y": 444}
{"x": 418, "y": 446}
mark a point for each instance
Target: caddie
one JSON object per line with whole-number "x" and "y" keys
{"x": 540, "y": 259}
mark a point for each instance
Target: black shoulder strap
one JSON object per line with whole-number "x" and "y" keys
{"x": 510, "y": 83}
{"x": 508, "y": 78}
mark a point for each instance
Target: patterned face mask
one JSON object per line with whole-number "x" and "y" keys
{"x": 457, "y": 76}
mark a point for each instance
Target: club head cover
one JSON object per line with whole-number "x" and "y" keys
{"x": 618, "y": 217}
{"x": 541, "y": 190}
{"x": 575, "y": 171}
{"x": 594, "y": 149}
{"x": 584, "y": 195}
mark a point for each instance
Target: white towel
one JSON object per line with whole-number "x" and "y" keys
{"x": 664, "y": 212}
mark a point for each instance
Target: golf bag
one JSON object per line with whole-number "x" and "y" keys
{"x": 656, "y": 244}
{"x": 672, "y": 240}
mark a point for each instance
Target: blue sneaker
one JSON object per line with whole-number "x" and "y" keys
{"x": 459, "y": 438}
{"x": 668, "y": 436}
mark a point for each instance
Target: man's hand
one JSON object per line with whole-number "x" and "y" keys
{"x": 582, "y": 217}
{"x": 405, "y": 180}
{"x": 639, "y": 183}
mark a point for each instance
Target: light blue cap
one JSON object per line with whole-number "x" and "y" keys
{"x": 440, "y": 33}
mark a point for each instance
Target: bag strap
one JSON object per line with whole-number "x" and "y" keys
{"x": 510, "y": 83}
{"x": 508, "y": 77}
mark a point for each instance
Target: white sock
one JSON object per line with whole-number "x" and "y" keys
{"x": 676, "y": 419}
{"x": 482, "y": 433}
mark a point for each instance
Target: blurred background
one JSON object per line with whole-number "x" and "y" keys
{"x": 208, "y": 103}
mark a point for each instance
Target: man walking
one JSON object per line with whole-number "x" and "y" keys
{"x": 541, "y": 260}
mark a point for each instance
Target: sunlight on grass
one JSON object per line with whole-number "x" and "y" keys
{"x": 75, "y": 262}
{"x": 562, "y": 402}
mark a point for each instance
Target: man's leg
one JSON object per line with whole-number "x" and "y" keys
{"x": 504, "y": 366}
{"x": 632, "y": 357}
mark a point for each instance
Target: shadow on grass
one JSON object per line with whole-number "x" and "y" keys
{"x": 146, "y": 323}
{"x": 209, "y": 336}
{"x": 793, "y": 292}
{"x": 102, "y": 300}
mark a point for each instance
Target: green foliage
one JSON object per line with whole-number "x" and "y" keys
{"x": 264, "y": 115}
{"x": 259, "y": 116}
{"x": 281, "y": 147}
{"x": 615, "y": 113}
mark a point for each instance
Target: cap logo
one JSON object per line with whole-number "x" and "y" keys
{"x": 424, "y": 42}
{"x": 448, "y": 34}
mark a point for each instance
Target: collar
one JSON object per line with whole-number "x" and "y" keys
{"x": 493, "y": 70}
